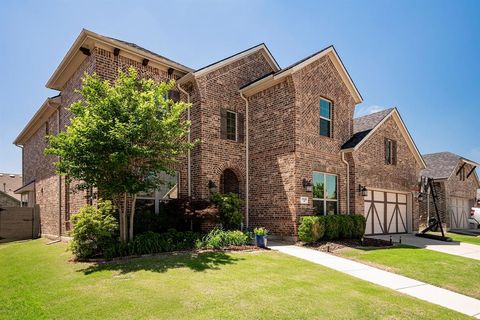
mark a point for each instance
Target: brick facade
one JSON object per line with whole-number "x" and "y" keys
{"x": 284, "y": 142}
{"x": 446, "y": 189}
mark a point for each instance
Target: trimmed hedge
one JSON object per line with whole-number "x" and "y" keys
{"x": 151, "y": 242}
{"x": 315, "y": 228}
{"x": 310, "y": 229}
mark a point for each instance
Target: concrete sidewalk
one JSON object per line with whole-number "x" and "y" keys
{"x": 462, "y": 249}
{"x": 417, "y": 289}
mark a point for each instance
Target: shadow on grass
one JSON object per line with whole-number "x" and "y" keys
{"x": 195, "y": 261}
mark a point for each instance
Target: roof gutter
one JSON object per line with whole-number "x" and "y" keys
{"x": 247, "y": 177}
{"x": 189, "y": 155}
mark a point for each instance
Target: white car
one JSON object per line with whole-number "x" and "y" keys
{"x": 475, "y": 216}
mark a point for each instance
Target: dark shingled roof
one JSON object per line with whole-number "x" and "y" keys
{"x": 363, "y": 125}
{"x": 133, "y": 45}
{"x": 441, "y": 165}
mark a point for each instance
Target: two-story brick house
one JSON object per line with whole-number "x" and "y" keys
{"x": 284, "y": 139}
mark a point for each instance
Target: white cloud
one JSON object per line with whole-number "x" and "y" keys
{"x": 364, "y": 111}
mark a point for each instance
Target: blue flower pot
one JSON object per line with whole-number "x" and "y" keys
{"x": 261, "y": 241}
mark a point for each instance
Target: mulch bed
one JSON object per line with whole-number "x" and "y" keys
{"x": 332, "y": 246}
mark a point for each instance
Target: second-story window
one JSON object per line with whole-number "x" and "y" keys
{"x": 390, "y": 152}
{"x": 231, "y": 126}
{"x": 325, "y": 118}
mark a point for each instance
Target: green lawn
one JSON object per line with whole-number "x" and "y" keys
{"x": 463, "y": 238}
{"x": 440, "y": 269}
{"x": 38, "y": 282}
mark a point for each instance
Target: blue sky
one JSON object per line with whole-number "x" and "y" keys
{"x": 420, "y": 56}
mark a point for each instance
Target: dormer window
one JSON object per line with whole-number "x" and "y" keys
{"x": 325, "y": 118}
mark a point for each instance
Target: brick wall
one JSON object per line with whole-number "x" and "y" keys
{"x": 210, "y": 93}
{"x": 371, "y": 170}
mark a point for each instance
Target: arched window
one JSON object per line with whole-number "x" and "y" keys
{"x": 229, "y": 182}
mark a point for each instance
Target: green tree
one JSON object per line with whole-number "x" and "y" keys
{"x": 122, "y": 135}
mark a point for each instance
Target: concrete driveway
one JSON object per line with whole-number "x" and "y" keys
{"x": 461, "y": 249}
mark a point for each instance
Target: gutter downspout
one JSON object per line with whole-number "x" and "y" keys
{"x": 59, "y": 184}
{"x": 348, "y": 181}
{"x": 247, "y": 177}
{"x": 189, "y": 170}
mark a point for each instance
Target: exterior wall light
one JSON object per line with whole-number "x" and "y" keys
{"x": 211, "y": 185}
{"x": 307, "y": 185}
{"x": 419, "y": 196}
{"x": 363, "y": 190}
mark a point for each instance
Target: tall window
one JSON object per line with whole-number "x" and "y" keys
{"x": 325, "y": 199}
{"x": 167, "y": 190}
{"x": 325, "y": 118}
{"x": 231, "y": 126}
{"x": 390, "y": 151}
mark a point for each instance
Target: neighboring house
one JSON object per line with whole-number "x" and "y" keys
{"x": 284, "y": 139}
{"x": 456, "y": 183}
{"x": 9, "y": 182}
{"x": 385, "y": 161}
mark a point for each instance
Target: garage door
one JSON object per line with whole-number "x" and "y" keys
{"x": 386, "y": 212}
{"x": 459, "y": 210}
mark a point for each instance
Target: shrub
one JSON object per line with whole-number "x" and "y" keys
{"x": 311, "y": 229}
{"x": 151, "y": 242}
{"x": 229, "y": 209}
{"x": 93, "y": 230}
{"x": 332, "y": 226}
{"x": 335, "y": 227}
{"x": 218, "y": 238}
{"x": 359, "y": 226}
{"x": 260, "y": 232}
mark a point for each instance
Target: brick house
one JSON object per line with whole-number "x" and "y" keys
{"x": 284, "y": 139}
{"x": 456, "y": 185}
{"x": 9, "y": 182}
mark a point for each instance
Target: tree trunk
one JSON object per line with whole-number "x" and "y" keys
{"x": 132, "y": 216}
{"x": 123, "y": 220}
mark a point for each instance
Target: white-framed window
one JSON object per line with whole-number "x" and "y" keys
{"x": 232, "y": 126}
{"x": 325, "y": 193}
{"x": 168, "y": 190}
{"x": 325, "y": 117}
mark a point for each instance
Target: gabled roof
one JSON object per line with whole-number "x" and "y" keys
{"x": 88, "y": 40}
{"x": 330, "y": 51}
{"x": 364, "y": 127}
{"x": 39, "y": 118}
{"x": 4, "y": 194}
{"x": 442, "y": 165}
{"x": 218, "y": 64}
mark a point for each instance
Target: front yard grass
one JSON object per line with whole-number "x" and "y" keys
{"x": 443, "y": 270}
{"x": 38, "y": 282}
{"x": 463, "y": 238}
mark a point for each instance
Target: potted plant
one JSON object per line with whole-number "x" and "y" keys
{"x": 260, "y": 237}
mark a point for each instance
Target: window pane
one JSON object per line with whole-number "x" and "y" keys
{"x": 331, "y": 187}
{"x": 331, "y": 207}
{"x": 231, "y": 126}
{"x": 324, "y": 127}
{"x": 168, "y": 190}
{"x": 318, "y": 185}
{"x": 318, "y": 207}
{"x": 324, "y": 108}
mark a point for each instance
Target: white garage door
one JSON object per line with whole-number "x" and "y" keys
{"x": 459, "y": 210}
{"x": 386, "y": 212}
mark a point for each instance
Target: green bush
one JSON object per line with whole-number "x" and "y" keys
{"x": 311, "y": 229}
{"x": 93, "y": 230}
{"x": 332, "y": 227}
{"x": 229, "y": 209}
{"x": 359, "y": 226}
{"x": 260, "y": 232}
{"x": 151, "y": 242}
{"x": 218, "y": 238}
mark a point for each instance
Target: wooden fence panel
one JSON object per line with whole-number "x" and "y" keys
{"x": 17, "y": 223}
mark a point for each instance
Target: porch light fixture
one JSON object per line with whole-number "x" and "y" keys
{"x": 307, "y": 185}
{"x": 211, "y": 185}
{"x": 363, "y": 190}
{"x": 420, "y": 197}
